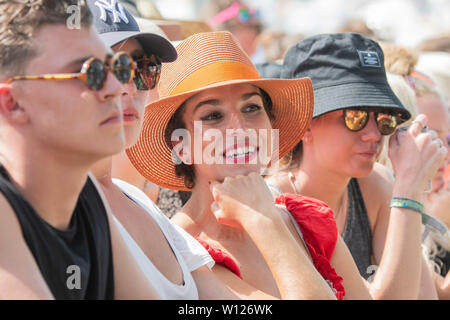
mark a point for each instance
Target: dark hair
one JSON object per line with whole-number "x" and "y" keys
{"x": 176, "y": 122}
{"x": 21, "y": 19}
{"x": 293, "y": 157}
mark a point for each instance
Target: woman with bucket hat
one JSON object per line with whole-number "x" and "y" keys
{"x": 210, "y": 133}
{"x": 335, "y": 162}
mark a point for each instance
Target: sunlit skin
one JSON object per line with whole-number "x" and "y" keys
{"x": 133, "y": 104}
{"x": 232, "y": 110}
{"x": 62, "y": 128}
{"x": 361, "y": 147}
{"x": 81, "y": 122}
{"x": 240, "y": 107}
{"x": 139, "y": 224}
{"x": 52, "y": 133}
{"x": 438, "y": 120}
{"x": 133, "y": 100}
{"x": 332, "y": 155}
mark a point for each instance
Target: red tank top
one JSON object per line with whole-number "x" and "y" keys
{"x": 316, "y": 222}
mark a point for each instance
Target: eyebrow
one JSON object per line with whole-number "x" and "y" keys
{"x": 81, "y": 60}
{"x": 216, "y": 102}
{"x": 76, "y": 62}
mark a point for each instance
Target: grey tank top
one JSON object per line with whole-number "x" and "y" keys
{"x": 357, "y": 232}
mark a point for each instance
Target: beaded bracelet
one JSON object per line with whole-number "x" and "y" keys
{"x": 406, "y": 203}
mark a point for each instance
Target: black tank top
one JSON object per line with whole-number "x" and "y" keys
{"x": 357, "y": 232}
{"x": 75, "y": 263}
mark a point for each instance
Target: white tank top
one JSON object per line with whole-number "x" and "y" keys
{"x": 188, "y": 252}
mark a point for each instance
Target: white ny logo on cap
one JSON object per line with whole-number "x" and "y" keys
{"x": 114, "y": 7}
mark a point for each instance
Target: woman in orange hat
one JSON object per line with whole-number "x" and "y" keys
{"x": 215, "y": 128}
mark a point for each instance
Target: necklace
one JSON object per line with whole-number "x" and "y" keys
{"x": 292, "y": 181}
{"x": 341, "y": 208}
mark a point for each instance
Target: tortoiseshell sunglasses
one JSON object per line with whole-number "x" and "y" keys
{"x": 94, "y": 71}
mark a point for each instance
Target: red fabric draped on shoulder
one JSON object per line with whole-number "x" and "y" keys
{"x": 318, "y": 226}
{"x": 221, "y": 257}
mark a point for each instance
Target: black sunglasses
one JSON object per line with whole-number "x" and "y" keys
{"x": 148, "y": 72}
{"x": 93, "y": 72}
{"x": 356, "y": 119}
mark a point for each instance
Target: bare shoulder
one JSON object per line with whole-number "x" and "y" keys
{"x": 184, "y": 221}
{"x": 20, "y": 277}
{"x": 280, "y": 181}
{"x": 238, "y": 287}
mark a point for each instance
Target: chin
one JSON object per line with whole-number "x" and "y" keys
{"x": 114, "y": 146}
{"x": 362, "y": 171}
{"x": 242, "y": 169}
{"x": 131, "y": 135}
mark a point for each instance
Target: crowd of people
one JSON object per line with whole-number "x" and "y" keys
{"x": 132, "y": 167}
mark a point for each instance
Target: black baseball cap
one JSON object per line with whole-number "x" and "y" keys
{"x": 346, "y": 70}
{"x": 115, "y": 24}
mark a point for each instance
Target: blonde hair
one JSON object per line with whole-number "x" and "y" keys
{"x": 402, "y": 61}
{"x": 407, "y": 97}
{"x": 435, "y": 245}
{"x": 399, "y": 60}
{"x": 277, "y": 43}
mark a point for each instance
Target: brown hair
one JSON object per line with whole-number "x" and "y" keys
{"x": 21, "y": 19}
{"x": 399, "y": 60}
{"x": 402, "y": 61}
{"x": 176, "y": 122}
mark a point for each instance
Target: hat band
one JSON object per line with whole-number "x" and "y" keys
{"x": 216, "y": 72}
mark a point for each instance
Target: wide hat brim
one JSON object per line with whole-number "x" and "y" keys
{"x": 358, "y": 94}
{"x": 293, "y": 104}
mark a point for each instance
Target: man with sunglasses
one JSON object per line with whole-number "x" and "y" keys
{"x": 354, "y": 109}
{"x": 60, "y": 112}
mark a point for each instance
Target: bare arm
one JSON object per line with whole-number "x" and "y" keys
{"x": 442, "y": 285}
{"x": 20, "y": 277}
{"x": 221, "y": 284}
{"x": 397, "y": 233}
{"x": 293, "y": 272}
{"x": 342, "y": 261}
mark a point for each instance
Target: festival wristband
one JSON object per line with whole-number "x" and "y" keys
{"x": 407, "y": 204}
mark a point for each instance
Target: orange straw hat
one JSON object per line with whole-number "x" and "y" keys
{"x": 210, "y": 60}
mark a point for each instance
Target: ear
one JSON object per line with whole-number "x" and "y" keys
{"x": 9, "y": 108}
{"x": 307, "y": 137}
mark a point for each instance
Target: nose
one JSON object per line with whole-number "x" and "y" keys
{"x": 129, "y": 89}
{"x": 236, "y": 122}
{"x": 111, "y": 89}
{"x": 370, "y": 133}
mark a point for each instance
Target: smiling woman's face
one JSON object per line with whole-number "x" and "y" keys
{"x": 235, "y": 132}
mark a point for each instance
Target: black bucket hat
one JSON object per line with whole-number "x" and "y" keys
{"x": 115, "y": 24}
{"x": 346, "y": 70}
{"x": 269, "y": 70}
